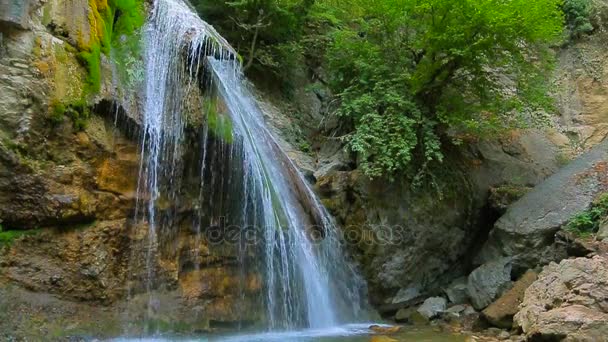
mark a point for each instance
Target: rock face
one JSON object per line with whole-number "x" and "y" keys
{"x": 403, "y": 246}
{"x": 526, "y": 232}
{"x": 501, "y": 312}
{"x": 15, "y": 12}
{"x": 489, "y": 281}
{"x": 568, "y": 302}
{"x": 67, "y": 199}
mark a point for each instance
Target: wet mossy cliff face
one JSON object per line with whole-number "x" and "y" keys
{"x": 69, "y": 161}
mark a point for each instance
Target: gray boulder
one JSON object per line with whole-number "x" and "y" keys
{"x": 15, "y": 12}
{"x": 489, "y": 281}
{"x": 457, "y": 291}
{"x": 432, "y": 307}
{"x": 527, "y": 231}
{"x": 602, "y": 233}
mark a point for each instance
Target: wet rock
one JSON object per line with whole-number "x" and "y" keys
{"x": 489, "y": 281}
{"x": 527, "y": 231}
{"x": 567, "y": 301}
{"x": 404, "y": 315}
{"x": 15, "y": 12}
{"x": 501, "y": 312}
{"x": 432, "y": 307}
{"x": 457, "y": 291}
{"x": 378, "y": 329}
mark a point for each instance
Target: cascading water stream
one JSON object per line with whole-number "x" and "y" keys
{"x": 315, "y": 265}
{"x": 307, "y": 281}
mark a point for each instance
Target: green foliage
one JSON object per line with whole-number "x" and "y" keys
{"x": 588, "y": 222}
{"x": 92, "y": 60}
{"x": 265, "y": 32}
{"x": 577, "y": 17}
{"x": 410, "y": 75}
{"x": 411, "y": 71}
{"x": 8, "y": 237}
{"x": 78, "y": 112}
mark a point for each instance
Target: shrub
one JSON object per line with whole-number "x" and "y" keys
{"x": 588, "y": 222}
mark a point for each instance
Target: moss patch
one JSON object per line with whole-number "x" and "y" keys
{"x": 115, "y": 26}
{"x": 8, "y": 237}
{"x": 219, "y": 123}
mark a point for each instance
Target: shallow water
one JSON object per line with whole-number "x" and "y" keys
{"x": 345, "y": 333}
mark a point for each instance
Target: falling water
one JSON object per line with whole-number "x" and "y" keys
{"x": 307, "y": 281}
{"x": 304, "y": 260}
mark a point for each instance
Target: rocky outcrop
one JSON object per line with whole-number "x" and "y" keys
{"x": 567, "y": 302}
{"x": 501, "y": 312}
{"x": 488, "y": 282}
{"x": 68, "y": 195}
{"x": 527, "y": 231}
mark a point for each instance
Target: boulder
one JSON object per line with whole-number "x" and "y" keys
{"x": 501, "y": 312}
{"x": 568, "y": 301}
{"x": 15, "y": 12}
{"x": 432, "y": 307}
{"x": 457, "y": 291}
{"x": 488, "y": 282}
{"x": 527, "y": 231}
{"x": 602, "y": 233}
{"x": 403, "y": 315}
{"x": 406, "y": 295}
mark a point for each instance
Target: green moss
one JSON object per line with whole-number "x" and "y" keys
{"x": 78, "y": 112}
{"x": 219, "y": 124}
{"x": 115, "y": 28}
{"x": 8, "y": 237}
{"x": 92, "y": 61}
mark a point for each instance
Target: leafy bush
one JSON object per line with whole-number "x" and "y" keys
{"x": 409, "y": 72}
{"x": 577, "y": 17}
{"x": 588, "y": 222}
{"x": 409, "y": 76}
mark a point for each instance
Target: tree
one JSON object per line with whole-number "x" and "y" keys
{"x": 409, "y": 71}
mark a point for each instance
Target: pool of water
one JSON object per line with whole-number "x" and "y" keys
{"x": 345, "y": 333}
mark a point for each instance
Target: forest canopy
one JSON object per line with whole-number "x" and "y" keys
{"x": 411, "y": 76}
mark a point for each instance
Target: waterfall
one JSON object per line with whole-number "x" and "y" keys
{"x": 307, "y": 281}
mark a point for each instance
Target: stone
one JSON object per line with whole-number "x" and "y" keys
{"x": 15, "y": 12}
{"x": 385, "y": 329}
{"x": 457, "y": 291}
{"x": 432, "y": 307}
{"x": 488, "y": 282}
{"x": 567, "y": 301}
{"x": 501, "y": 312}
{"x": 602, "y": 233}
{"x": 403, "y": 315}
{"x": 504, "y": 335}
{"x": 501, "y": 197}
{"x": 527, "y": 231}
{"x": 406, "y": 294}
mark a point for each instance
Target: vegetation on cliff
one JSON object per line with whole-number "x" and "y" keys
{"x": 588, "y": 221}
{"x": 411, "y": 77}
